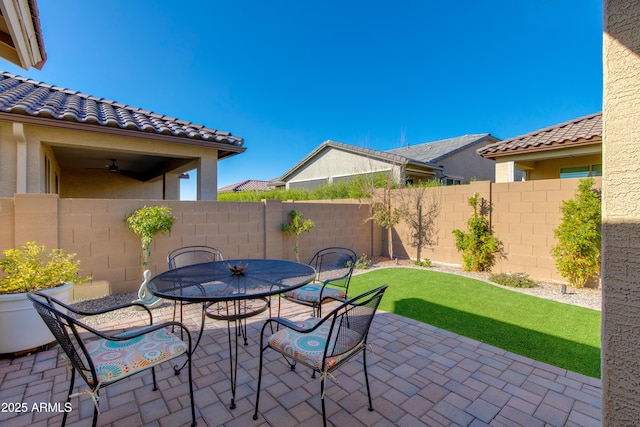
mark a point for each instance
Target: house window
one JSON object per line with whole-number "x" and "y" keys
{"x": 581, "y": 171}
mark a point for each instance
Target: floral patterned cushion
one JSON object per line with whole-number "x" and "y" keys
{"x": 311, "y": 293}
{"x": 308, "y": 348}
{"x": 115, "y": 360}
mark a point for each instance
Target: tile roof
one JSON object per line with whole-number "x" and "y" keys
{"x": 437, "y": 150}
{"x": 587, "y": 129}
{"x": 19, "y": 95}
{"x": 247, "y": 185}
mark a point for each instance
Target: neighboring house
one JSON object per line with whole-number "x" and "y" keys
{"x": 451, "y": 160}
{"x": 567, "y": 150}
{"x": 247, "y": 185}
{"x": 56, "y": 140}
{"x": 457, "y": 156}
{"x": 21, "y": 41}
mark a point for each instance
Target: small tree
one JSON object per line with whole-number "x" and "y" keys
{"x": 577, "y": 253}
{"x": 420, "y": 207}
{"x": 146, "y": 222}
{"x": 297, "y": 225}
{"x": 478, "y": 245}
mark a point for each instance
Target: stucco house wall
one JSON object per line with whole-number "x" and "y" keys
{"x": 621, "y": 215}
{"x": 335, "y": 164}
{"x": 468, "y": 164}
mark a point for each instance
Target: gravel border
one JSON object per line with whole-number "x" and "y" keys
{"x": 583, "y": 297}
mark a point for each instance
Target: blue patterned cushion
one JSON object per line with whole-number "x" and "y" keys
{"x": 115, "y": 360}
{"x": 311, "y": 293}
{"x": 308, "y": 348}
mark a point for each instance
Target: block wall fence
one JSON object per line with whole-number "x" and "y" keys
{"x": 523, "y": 216}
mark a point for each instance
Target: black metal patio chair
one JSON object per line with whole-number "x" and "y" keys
{"x": 189, "y": 255}
{"x": 102, "y": 358}
{"x": 334, "y": 266}
{"x": 323, "y": 344}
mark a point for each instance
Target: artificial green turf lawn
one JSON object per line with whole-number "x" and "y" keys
{"x": 559, "y": 334}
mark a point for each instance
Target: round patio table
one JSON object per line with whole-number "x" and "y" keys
{"x": 227, "y": 291}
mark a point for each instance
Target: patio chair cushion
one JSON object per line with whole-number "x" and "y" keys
{"x": 311, "y": 293}
{"x": 308, "y": 348}
{"x": 115, "y": 360}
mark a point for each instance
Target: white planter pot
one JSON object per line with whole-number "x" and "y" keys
{"x": 21, "y": 328}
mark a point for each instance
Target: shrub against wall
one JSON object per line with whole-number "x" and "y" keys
{"x": 478, "y": 245}
{"x": 579, "y": 236}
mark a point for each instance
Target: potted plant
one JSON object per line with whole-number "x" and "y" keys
{"x": 148, "y": 221}
{"x": 28, "y": 268}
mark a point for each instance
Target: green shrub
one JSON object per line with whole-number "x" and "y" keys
{"x": 577, "y": 253}
{"x": 31, "y": 267}
{"x": 423, "y": 262}
{"x": 478, "y": 245}
{"x": 513, "y": 280}
{"x": 146, "y": 222}
{"x": 362, "y": 263}
{"x": 297, "y": 225}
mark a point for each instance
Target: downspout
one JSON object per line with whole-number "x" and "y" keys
{"x": 21, "y": 158}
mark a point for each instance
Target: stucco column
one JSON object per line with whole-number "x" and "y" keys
{"x": 171, "y": 186}
{"x": 621, "y": 214}
{"x": 207, "y": 186}
{"x": 505, "y": 172}
{"x": 21, "y": 158}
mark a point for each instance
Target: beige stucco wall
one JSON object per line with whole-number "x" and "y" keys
{"x": 333, "y": 163}
{"x": 469, "y": 165}
{"x": 621, "y": 214}
{"x": 550, "y": 169}
{"x": 542, "y": 169}
{"x": 23, "y": 148}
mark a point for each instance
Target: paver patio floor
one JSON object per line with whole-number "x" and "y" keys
{"x": 420, "y": 376}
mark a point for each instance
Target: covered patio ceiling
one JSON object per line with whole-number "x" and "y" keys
{"x": 139, "y": 166}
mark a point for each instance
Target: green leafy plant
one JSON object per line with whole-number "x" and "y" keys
{"x": 513, "y": 280}
{"x": 478, "y": 245}
{"x": 146, "y": 222}
{"x": 362, "y": 263}
{"x": 426, "y": 262}
{"x": 32, "y": 267}
{"x": 296, "y": 226}
{"x": 579, "y": 236}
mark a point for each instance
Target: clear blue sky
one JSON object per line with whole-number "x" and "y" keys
{"x": 288, "y": 75}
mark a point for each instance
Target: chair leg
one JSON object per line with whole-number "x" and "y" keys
{"x": 324, "y": 411}
{"x": 193, "y": 408}
{"x": 366, "y": 378}
{"x": 73, "y": 379}
{"x": 95, "y": 410}
{"x": 255, "y": 413}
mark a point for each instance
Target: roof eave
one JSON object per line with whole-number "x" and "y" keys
{"x": 224, "y": 149}
{"x": 22, "y": 19}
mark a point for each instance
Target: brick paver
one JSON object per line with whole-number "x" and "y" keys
{"x": 419, "y": 375}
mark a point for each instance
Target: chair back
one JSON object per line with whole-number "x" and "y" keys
{"x": 65, "y": 330}
{"x": 189, "y": 255}
{"x": 351, "y": 323}
{"x": 334, "y": 265}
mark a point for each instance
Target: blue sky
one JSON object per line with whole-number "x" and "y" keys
{"x": 288, "y": 75}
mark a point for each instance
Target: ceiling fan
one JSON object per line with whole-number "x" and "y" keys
{"x": 113, "y": 167}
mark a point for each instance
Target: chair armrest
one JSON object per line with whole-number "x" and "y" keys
{"x": 105, "y": 310}
{"x": 291, "y": 325}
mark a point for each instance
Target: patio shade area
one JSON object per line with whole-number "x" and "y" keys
{"x": 420, "y": 375}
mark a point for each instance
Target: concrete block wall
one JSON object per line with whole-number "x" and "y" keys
{"x": 523, "y": 216}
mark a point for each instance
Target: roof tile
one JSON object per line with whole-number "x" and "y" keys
{"x": 19, "y": 95}
{"x": 583, "y": 128}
